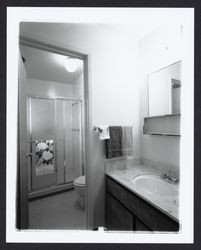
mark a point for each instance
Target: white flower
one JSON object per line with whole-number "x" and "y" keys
{"x": 47, "y": 155}
{"x": 41, "y": 145}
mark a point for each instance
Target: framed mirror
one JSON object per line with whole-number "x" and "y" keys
{"x": 164, "y": 87}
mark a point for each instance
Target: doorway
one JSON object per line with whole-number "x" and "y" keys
{"x": 57, "y": 135}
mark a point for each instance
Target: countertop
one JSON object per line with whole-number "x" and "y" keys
{"x": 166, "y": 204}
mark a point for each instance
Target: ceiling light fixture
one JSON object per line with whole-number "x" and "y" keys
{"x": 71, "y": 64}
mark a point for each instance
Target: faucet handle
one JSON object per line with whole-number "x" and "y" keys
{"x": 175, "y": 179}
{"x": 164, "y": 176}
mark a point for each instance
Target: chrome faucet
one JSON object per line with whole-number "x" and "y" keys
{"x": 166, "y": 177}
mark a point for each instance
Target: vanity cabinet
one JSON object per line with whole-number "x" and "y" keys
{"x": 127, "y": 211}
{"x": 118, "y": 217}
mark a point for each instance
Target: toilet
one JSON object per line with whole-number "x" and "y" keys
{"x": 80, "y": 186}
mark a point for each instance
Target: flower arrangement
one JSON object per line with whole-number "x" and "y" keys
{"x": 44, "y": 152}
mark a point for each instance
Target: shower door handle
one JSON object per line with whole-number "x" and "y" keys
{"x": 28, "y": 155}
{"x": 76, "y": 129}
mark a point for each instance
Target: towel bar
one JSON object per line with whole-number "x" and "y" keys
{"x": 97, "y": 129}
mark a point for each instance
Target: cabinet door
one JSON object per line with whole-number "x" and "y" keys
{"x": 139, "y": 226}
{"x": 148, "y": 215}
{"x": 117, "y": 216}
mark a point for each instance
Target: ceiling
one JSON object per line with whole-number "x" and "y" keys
{"x": 48, "y": 66}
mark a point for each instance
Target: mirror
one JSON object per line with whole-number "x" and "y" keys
{"x": 164, "y": 87}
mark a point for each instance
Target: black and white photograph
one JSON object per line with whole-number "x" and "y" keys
{"x": 100, "y": 106}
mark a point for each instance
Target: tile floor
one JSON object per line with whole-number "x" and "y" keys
{"x": 60, "y": 211}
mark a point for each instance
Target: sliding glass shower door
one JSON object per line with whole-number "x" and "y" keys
{"x": 77, "y": 138}
{"x": 41, "y": 142}
{"x": 54, "y": 141}
{"x": 73, "y": 139}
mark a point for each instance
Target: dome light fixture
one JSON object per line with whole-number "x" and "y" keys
{"x": 71, "y": 64}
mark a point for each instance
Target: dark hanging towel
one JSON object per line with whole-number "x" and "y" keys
{"x": 114, "y": 144}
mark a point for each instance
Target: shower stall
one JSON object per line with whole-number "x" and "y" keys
{"x": 54, "y": 143}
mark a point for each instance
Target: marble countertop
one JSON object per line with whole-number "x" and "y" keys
{"x": 167, "y": 204}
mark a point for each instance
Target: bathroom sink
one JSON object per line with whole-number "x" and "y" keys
{"x": 154, "y": 185}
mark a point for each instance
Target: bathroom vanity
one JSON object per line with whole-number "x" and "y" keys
{"x": 128, "y": 210}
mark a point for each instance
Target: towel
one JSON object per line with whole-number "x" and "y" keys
{"x": 103, "y": 132}
{"x": 114, "y": 144}
{"x": 127, "y": 141}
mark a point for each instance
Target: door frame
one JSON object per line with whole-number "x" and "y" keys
{"x": 30, "y": 140}
{"x": 86, "y": 57}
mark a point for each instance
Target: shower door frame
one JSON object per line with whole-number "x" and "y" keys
{"x": 31, "y": 141}
{"x": 57, "y": 48}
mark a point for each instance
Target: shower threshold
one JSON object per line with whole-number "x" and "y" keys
{"x": 50, "y": 190}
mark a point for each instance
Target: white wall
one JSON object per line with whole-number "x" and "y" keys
{"x": 114, "y": 85}
{"x": 48, "y": 89}
{"x": 78, "y": 87}
{"x": 159, "y": 49}
{"x": 114, "y": 64}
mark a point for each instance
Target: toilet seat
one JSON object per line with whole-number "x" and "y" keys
{"x": 80, "y": 181}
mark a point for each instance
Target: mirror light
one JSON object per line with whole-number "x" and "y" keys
{"x": 71, "y": 64}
